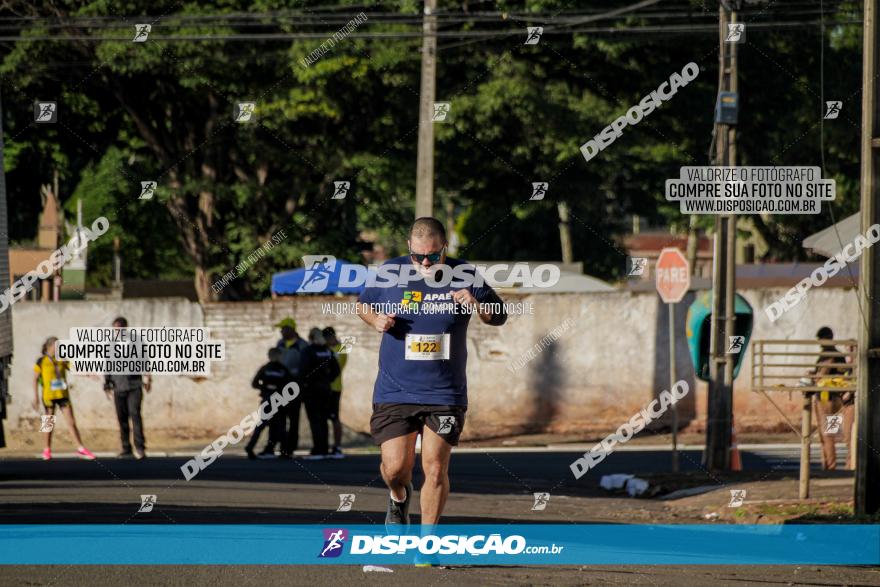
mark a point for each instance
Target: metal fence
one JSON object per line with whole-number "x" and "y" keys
{"x": 791, "y": 366}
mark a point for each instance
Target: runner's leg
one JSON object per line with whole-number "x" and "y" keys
{"x": 51, "y": 412}
{"x": 398, "y": 459}
{"x": 67, "y": 410}
{"x": 435, "y": 464}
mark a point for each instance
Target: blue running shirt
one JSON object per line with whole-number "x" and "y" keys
{"x": 428, "y": 310}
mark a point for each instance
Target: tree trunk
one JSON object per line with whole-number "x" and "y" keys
{"x": 197, "y": 234}
{"x": 203, "y": 282}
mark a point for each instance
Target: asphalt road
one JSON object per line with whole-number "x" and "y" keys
{"x": 236, "y": 490}
{"x": 488, "y": 487}
{"x": 354, "y": 576}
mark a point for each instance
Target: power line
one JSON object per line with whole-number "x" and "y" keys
{"x": 569, "y": 23}
{"x": 681, "y": 29}
{"x": 570, "y": 18}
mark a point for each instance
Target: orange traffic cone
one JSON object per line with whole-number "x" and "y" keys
{"x": 735, "y": 459}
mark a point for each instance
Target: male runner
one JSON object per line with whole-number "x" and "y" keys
{"x": 422, "y": 384}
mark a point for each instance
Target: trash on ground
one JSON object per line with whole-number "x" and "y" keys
{"x": 632, "y": 484}
{"x": 636, "y": 486}
{"x": 376, "y": 569}
{"x": 617, "y": 481}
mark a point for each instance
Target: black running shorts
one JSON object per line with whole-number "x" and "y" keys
{"x": 393, "y": 420}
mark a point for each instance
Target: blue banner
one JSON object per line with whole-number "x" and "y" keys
{"x": 522, "y": 544}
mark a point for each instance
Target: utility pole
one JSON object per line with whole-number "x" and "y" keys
{"x": 692, "y": 243}
{"x": 867, "y": 485}
{"x": 425, "y": 157}
{"x": 719, "y": 421}
{"x": 58, "y": 277}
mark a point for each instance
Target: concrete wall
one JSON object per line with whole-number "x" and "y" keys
{"x": 609, "y": 361}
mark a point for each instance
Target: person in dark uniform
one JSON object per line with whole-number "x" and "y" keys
{"x": 127, "y": 394}
{"x": 271, "y": 378}
{"x": 318, "y": 370}
{"x": 291, "y": 346}
{"x": 341, "y": 354}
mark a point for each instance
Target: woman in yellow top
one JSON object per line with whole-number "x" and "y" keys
{"x": 51, "y": 391}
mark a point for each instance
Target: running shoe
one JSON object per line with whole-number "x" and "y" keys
{"x": 318, "y": 457}
{"x": 47, "y": 454}
{"x": 250, "y": 453}
{"x": 85, "y": 453}
{"x": 267, "y": 454}
{"x": 139, "y": 454}
{"x": 126, "y": 454}
{"x": 398, "y": 513}
{"x": 424, "y": 560}
{"x": 336, "y": 453}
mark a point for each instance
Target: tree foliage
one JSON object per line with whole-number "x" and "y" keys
{"x": 163, "y": 111}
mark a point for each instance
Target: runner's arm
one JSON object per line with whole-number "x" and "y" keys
{"x": 493, "y": 300}
{"x": 381, "y": 322}
{"x": 487, "y": 301}
{"x": 37, "y": 377}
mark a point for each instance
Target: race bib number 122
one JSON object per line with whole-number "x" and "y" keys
{"x": 427, "y": 347}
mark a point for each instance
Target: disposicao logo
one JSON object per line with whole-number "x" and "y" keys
{"x": 334, "y": 540}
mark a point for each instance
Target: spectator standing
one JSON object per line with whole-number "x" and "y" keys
{"x": 52, "y": 391}
{"x": 292, "y": 347}
{"x": 127, "y": 393}
{"x": 270, "y": 379}
{"x": 827, "y": 403}
{"x": 319, "y": 369}
{"x": 341, "y": 355}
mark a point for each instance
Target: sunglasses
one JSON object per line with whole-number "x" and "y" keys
{"x": 432, "y": 257}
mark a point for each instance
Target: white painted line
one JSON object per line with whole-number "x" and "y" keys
{"x": 100, "y": 455}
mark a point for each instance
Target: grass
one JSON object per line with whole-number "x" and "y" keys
{"x": 807, "y": 509}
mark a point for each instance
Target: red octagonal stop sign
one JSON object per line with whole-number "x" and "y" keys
{"x": 673, "y": 275}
